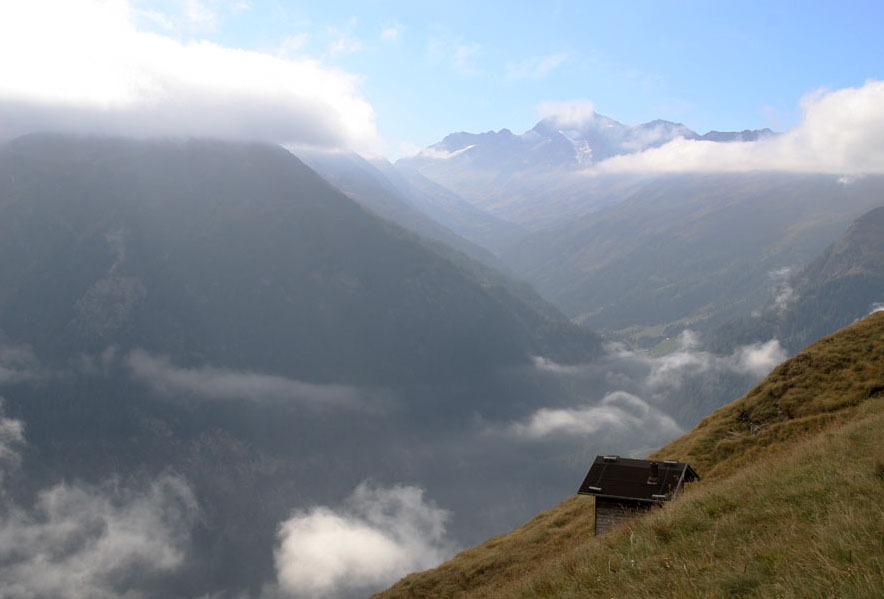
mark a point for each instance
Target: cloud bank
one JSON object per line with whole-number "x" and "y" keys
{"x": 616, "y": 411}
{"x": 378, "y": 537}
{"x": 82, "y": 66}
{"x": 216, "y": 383}
{"x": 83, "y": 541}
{"x": 18, "y": 364}
{"x": 94, "y": 542}
{"x": 11, "y": 440}
{"x": 755, "y": 360}
{"x": 639, "y": 393}
{"x": 574, "y": 113}
{"x": 842, "y": 132}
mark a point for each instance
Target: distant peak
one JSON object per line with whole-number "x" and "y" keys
{"x": 744, "y": 135}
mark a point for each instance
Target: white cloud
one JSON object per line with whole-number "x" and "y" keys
{"x": 293, "y": 45}
{"x": 842, "y": 132}
{"x": 758, "y": 359}
{"x": 637, "y": 391}
{"x": 82, "y": 66}
{"x": 458, "y": 55}
{"x": 216, "y": 383}
{"x": 11, "y": 439}
{"x": 437, "y": 154}
{"x": 391, "y": 32}
{"x": 536, "y": 67}
{"x": 89, "y": 542}
{"x": 784, "y": 293}
{"x": 185, "y": 16}
{"x": 548, "y": 365}
{"x": 378, "y": 537}
{"x": 18, "y": 364}
{"x": 617, "y": 411}
{"x": 573, "y": 113}
{"x": 755, "y": 359}
{"x": 343, "y": 40}
{"x": 199, "y": 14}
{"x": 97, "y": 365}
{"x": 83, "y": 542}
{"x": 345, "y": 45}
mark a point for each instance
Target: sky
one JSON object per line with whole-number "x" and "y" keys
{"x": 402, "y": 75}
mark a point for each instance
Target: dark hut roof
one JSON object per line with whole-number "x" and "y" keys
{"x": 624, "y": 478}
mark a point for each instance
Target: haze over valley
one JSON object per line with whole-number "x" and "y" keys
{"x": 272, "y": 325}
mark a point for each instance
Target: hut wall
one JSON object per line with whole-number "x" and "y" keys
{"x": 610, "y": 513}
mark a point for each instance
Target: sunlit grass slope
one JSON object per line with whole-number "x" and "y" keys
{"x": 791, "y": 503}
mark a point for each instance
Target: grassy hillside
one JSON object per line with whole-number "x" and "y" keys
{"x": 790, "y": 504}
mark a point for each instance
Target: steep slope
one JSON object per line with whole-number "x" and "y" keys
{"x": 220, "y": 312}
{"x": 138, "y": 227}
{"x": 688, "y": 251}
{"x": 394, "y": 199}
{"x": 789, "y": 505}
{"x": 841, "y": 285}
{"x": 450, "y": 209}
{"x": 368, "y": 186}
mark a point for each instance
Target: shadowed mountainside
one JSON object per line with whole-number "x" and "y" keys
{"x": 841, "y": 285}
{"x": 218, "y": 312}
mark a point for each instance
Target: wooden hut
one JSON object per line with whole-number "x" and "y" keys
{"x": 624, "y": 487}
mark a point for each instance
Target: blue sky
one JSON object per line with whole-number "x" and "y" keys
{"x": 390, "y": 77}
{"x": 432, "y": 68}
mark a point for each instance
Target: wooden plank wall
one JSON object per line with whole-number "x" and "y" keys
{"x": 611, "y": 513}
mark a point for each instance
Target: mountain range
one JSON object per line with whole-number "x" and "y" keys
{"x": 228, "y": 341}
{"x": 537, "y": 178}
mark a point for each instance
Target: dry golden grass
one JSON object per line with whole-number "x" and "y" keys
{"x": 794, "y": 510}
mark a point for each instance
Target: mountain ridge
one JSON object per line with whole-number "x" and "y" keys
{"x": 538, "y": 179}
